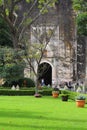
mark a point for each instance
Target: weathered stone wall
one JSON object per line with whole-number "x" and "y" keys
{"x": 66, "y": 41}
{"x": 63, "y": 41}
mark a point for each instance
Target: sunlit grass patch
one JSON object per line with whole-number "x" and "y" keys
{"x": 45, "y": 113}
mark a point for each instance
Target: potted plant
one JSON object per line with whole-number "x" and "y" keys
{"x": 80, "y": 101}
{"x": 64, "y": 95}
{"x": 55, "y": 92}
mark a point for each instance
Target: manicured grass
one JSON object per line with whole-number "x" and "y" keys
{"x": 46, "y": 113}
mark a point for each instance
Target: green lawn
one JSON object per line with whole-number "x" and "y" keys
{"x": 46, "y": 113}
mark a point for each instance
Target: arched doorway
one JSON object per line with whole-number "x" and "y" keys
{"x": 45, "y": 72}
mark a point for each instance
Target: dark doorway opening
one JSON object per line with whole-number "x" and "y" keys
{"x": 45, "y": 72}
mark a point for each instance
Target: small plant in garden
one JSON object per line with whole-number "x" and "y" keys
{"x": 80, "y": 97}
{"x": 64, "y": 95}
{"x": 56, "y": 90}
{"x": 80, "y": 101}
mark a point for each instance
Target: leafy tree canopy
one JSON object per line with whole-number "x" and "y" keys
{"x": 80, "y": 5}
{"x": 82, "y": 24}
{"x": 11, "y": 65}
{"x": 81, "y": 10}
{"x": 9, "y": 11}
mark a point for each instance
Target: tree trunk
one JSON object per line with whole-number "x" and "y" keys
{"x": 15, "y": 42}
{"x": 37, "y": 85}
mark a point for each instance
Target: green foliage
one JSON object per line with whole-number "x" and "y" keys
{"x": 11, "y": 65}
{"x": 46, "y": 4}
{"x": 80, "y": 5}
{"x": 23, "y": 92}
{"x": 26, "y": 82}
{"x": 80, "y": 97}
{"x": 28, "y": 1}
{"x": 1, "y": 2}
{"x": 27, "y": 21}
{"x": 82, "y": 24}
{"x": 5, "y": 39}
{"x": 46, "y": 92}
{"x": 10, "y": 13}
{"x": 17, "y": 24}
{"x": 81, "y": 9}
{"x": 22, "y": 82}
{"x": 71, "y": 94}
{"x": 13, "y": 72}
{"x": 7, "y": 11}
{"x": 10, "y": 92}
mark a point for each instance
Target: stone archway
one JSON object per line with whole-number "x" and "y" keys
{"x": 45, "y": 72}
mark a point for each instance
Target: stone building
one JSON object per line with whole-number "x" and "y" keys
{"x": 61, "y": 52}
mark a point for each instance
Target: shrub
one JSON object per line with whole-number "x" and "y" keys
{"x": 23, "y": 82}
{"x": 9, "y": 84}
{"x": 71, "y": 94}
{"x": 46, "y": 92}
{"x": 11, "y": 65}
{"x": 26, "y": 82}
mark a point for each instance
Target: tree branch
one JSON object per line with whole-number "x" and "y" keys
{"x": 34, "y": 19}
{"x": 25, "y": 17}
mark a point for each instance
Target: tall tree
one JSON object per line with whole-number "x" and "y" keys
{"x": 9, "y": 10}
{"x": 80, "y": 7}
{"x": 18, "y": 24}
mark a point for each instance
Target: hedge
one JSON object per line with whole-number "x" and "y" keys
{"x": 46, "y": 92}
{"x": 17, "y": 92}
{"x": 22, "y": 92}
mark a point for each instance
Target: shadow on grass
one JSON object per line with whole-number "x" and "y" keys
{"x": 37, "y": 115}
{"x": 40, "y": 127}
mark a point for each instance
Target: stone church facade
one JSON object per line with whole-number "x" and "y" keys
{"x": 61, "y": 52}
